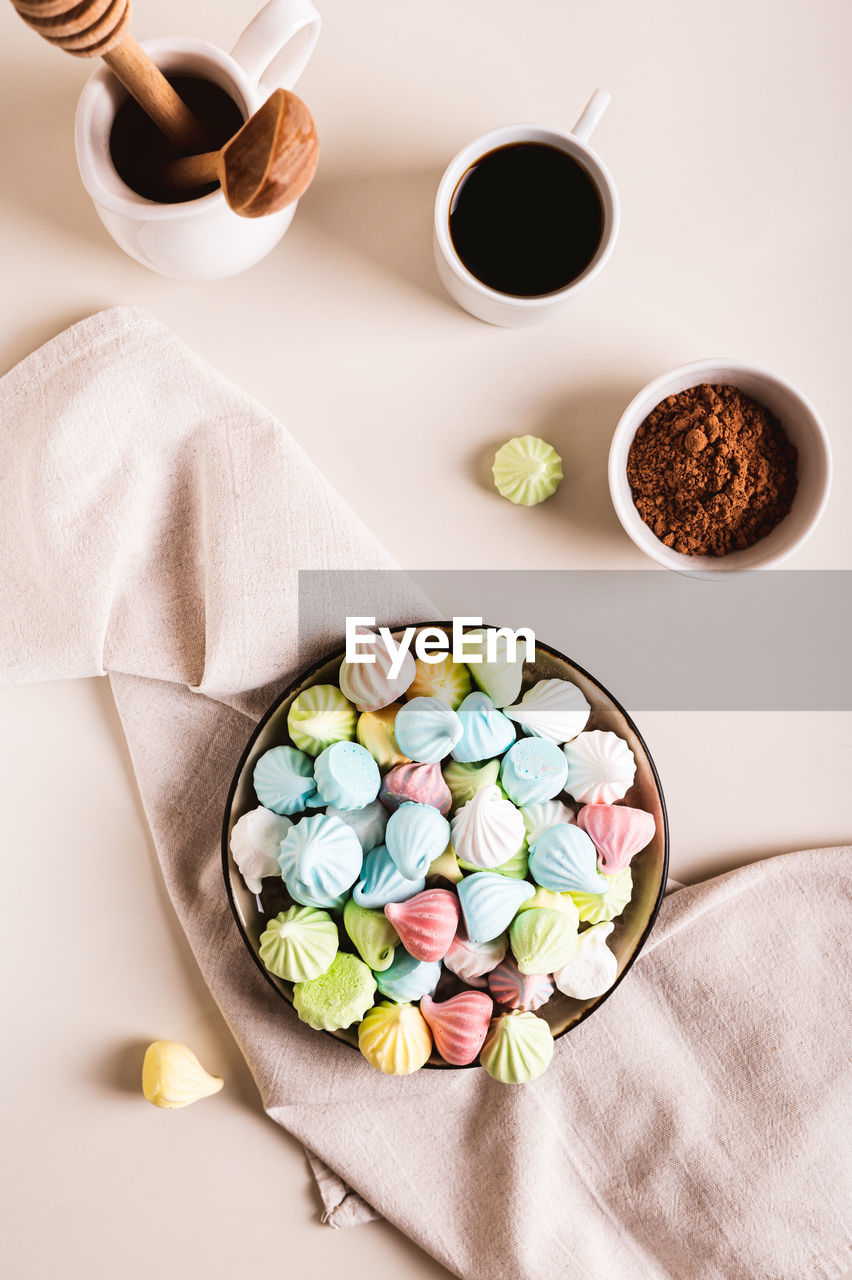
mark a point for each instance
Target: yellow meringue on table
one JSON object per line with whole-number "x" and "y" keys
{"x": 173, "y": 1077}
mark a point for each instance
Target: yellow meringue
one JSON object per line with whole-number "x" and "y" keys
{"x": 395, "y": 1038}
{"x": 445, "y": 867}
{"x": 173, "y": 1077}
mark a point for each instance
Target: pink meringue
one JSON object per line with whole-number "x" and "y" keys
{"x": 420, "y": 783}
{"x": 516, "y": 990}
{"x": 617, "y": 832}
{"x": 426, "y": 923}
{"x": 458, "y": 1025}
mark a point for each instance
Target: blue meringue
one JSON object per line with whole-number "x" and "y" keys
{"x": 320, "y": 859}
{"x": 486, "y": 732}
{"x": 416, "y": 835}
{"x": 406, "y": 979}
{"x": 284, "y": 780}
{"x": 426, "y": 729}
{"x": 368, "y": 823}
{"x": 564, "y": 860}
{"x": 347, "y": 776}
{"x": 382, "y": 881}
{"x": 533, "y": 770}
{"x": 489, "y": 903}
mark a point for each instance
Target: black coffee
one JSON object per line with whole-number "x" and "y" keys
{"x": 139, "y": 150}
{"x": 526, "y": 219}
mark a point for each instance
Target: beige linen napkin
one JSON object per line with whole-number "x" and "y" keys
{"x": 154, "y": 520}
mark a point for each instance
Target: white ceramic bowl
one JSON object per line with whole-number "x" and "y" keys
{"x": 804, "y": 428}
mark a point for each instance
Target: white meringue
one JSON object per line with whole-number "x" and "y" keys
{"x": 539, "y": 818}
{"x": 601, "y": 767}
{"x": 369, "y": 684}
{"x": 369, "y": 823}
{"x": 256, "y": 843}
{"x": 552, "y": 709}
{"x": 488, "y": 830}
{"x": 471, "y": 961}
{"x": 592, "y": 969}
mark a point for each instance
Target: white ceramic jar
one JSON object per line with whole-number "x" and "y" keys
{"x": 199, "y": 239}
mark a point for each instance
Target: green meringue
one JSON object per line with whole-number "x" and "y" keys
{"x": 543, "y": 939}
{"x": 595, "y": 907}
{"x": 517, "y": 1048}
{"x": 338, "y": 997}
{"x": 299, "y": 944}
{"x": 464, "y": 780}
{"x": 556, "y": 901}
{"x": 372, "y": 933}
{"x": 527, "y": 470}
{"x": 319, "y": 717}
{"x": 500, "y": 679}
{"x": 517, "y": 866}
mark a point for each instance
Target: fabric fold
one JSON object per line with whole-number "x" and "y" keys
{"x": 156, "y": 521}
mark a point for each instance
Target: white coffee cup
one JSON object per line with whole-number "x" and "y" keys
{"x": 199, "y": 239}
{"x": 468, "y": 291}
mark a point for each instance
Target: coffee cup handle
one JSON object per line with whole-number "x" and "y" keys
{"x": 591, "y": 114}
{"x": 275, "y": 47}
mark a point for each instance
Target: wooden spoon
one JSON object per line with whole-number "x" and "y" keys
{"x": 98, "y": 29}
{"x": 267, "y": 165}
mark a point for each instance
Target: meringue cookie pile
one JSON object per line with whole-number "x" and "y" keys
{"x": 454, "y": 852}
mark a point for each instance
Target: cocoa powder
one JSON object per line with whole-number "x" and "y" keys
{"x": 711, "y": 471}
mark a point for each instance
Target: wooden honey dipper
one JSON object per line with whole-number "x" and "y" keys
{"x": 99, "y": 29}
{"x": 268, "y": 163}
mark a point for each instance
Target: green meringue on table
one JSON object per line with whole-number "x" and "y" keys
{"x": 372, "y": 933}
{"x": 299, "y": 944}
{"x": 320, "y": 716}
{"x": 338, "y": 997}
{"x": 527, "y": 470}
{"x": 518, "y": 1047}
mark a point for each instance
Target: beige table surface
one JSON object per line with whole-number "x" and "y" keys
{"x": 727, "y": 138}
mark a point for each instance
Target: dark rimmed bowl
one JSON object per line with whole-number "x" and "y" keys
{"x": 650, "y": 867}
